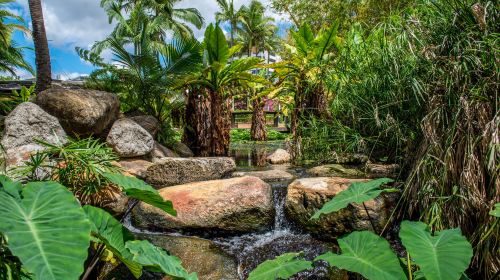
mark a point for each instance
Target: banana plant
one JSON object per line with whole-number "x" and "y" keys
{"x": 440, "y": 255}
{"x": 45, "y": 226}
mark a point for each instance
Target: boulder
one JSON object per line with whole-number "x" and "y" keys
{"x": 134, "y": 167}
{"x": 27, "y": 123}
{"x": 149, "y": 123}
{"x": 236, "y": 205}
{"x": 159, "y": 151}
{"x": 346, "y": 158}
{"x": 81, "y": 111}
{"x": 176, "y": 171}
{"x": 279, "y": 156}
{"x": 182, "y": 149}
{"x": 128, "y": 139}
{"x": 267, "y": 176}
{"x": 382, "y": 170}
{"x": 306, "y": 196}
{"x": 336, "y": 170}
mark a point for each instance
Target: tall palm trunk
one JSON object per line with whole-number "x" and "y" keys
{"x": 197, "y": 132}
{"x": 220, "y": 125}
{"x": 43, "y": 69}
{"x": 318, "y": 103}
{"x": 258, "y": 129}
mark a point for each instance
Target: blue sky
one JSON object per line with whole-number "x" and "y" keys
{"x": 72, "y": 23}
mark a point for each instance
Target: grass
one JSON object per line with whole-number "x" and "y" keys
{"x": 239, "y": 135}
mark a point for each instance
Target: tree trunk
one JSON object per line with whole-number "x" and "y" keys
{"x": 43, "y": 69}
{"x": 258, "y": 130}
{"x": 318, "y": 103}
{"x": 197, "y": 130}
{"x": 221, "y": 125}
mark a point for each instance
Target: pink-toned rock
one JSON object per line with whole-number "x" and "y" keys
{"x": 308, "y": 195}
{"x": 134, "y": 167}
{"x": 234, "y": 205}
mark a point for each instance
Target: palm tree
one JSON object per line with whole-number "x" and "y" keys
{"x": 43, "y": 68}
{"x": 215, "y": 85}
{"x": 230, "y": 14}
{"x": 255, "y": 26}
{"x": 11, "y": 56}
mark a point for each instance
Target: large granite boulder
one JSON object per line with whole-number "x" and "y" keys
{"x": 174, "y": 171}
{"x": 233, "y": 205}
{"x": 80, "y": 111}
{"x": 159, "y": 151}
{"x": 267, "y": 175}
{"x": 28, "y": 123}
{"x": 182, "y": 149}
{"x": 134, "y": 167}
{"x": 336, "y": 170}
{"x": 306, "y": 196}
{"x": 149, "y": 123}
{"x": 279, "y": 156}
{"x": 128, "y": 139}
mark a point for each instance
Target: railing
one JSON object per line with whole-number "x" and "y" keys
{"x": 276, "y": 116}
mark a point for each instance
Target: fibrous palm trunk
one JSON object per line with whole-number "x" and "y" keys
{"x": 43, "y": 68}
{"x": 258, "y": 130}
{"x": 197, "y": 132}
{"x": 220, "y": 125}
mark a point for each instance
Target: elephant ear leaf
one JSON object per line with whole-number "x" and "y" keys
{"x": 358, "y": 192}
{"x": 46, "y": 228}
{"x": 114, "y": 235}
{"x": 138, "y": 189}
{"x": 443, "y": 255}
{"x": 158, "y": 260}
{"x": 282, "y": 267}
{"x": 367, "y": 254}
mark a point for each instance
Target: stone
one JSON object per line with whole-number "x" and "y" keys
{"x": 134, "y": 167}
{"x": 159, "y": 151}
{"x": 182, "y": 149}
{"x": 382, "y": 170}
{"x": 28, "y": 123}
{"x": 336, "y": 170}
{"x": 81, "y": 112}
{"x": 128, "y": 139}
{"x": 347, "y": 158}
{"x": 176, "y": 171}
{"x": 279, "y": 156}
{"x": 267, "y": 176}
{"x": 307, "y": 195}
{"x": 116, "y": 203}
{"x": 149, "y": 123}
{"x": 236, "y": 205}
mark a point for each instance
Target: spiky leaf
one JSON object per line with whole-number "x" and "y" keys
{"x": 46, "y": 229}
{"x": 358, "y": 192}
{"x": 157, "y": 259}
{"x": 138, "y": 189}
{"x": 111, "y": 232}
{"x": 367, "y": 254}
{"x": 443, "y": 255}
{"x": 282, "y": 267}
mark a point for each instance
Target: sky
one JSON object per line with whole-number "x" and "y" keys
{"x": 80, "y": 23}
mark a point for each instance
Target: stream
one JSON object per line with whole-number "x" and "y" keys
{"x": 250, "y": 250}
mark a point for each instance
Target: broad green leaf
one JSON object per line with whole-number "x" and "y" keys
{"x": 114, "y": 235}
{"x": 47, "y": 229}
{"x": 157, "y": 259}
{"x": 138, "y": 189}
{"x": 216, "y": 45}
{"x": 367, "y": 254}
{"x": 444, "y": 255}
{"x": 11, "y": 187}
{"x": 282, "y": 267}
{"x": 496, "y": 212}
{"x": 357, "y": 192}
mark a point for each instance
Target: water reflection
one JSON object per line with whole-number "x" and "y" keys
{"x": 252, "y": 156}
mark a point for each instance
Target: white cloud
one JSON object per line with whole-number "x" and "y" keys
{"x": 69, "y": 76}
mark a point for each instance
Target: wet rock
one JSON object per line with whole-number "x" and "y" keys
{"x": 182, "y": 149}
{"x": 267, "y": 176}
{"x": 233, "y": 205}
{"x": 176, "y": 171}
{"x": 128, "y": 139}
{"x": 160, "y": 151}
{"x": 149, "y": 123}
{"x": 28, "y": 123}
{"x": 134, "y": 167}
{"x": 382, "y": 170}
{"x": 336, "y": 170}
{"x": 116, "y": 203}
{"x": 347, "y": 158}
{"x": 279, "y": 156}
{"x": 80, "y": 111}
{"x": 306, "y": 196}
